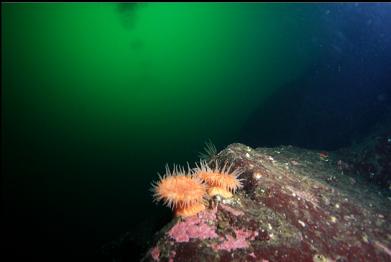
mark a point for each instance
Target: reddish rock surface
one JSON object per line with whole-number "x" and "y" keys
{"x": 296, "y": 205}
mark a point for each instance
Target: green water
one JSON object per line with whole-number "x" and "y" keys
{"x": 98, "y": 97}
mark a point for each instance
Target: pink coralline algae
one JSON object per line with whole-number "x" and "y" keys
{"x": 193, "y": 227}
{"x": 155, "y": 253}
{"x": 171, "y": 259}
{"x": 232, "y": 243}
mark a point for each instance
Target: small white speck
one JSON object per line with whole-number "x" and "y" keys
{"x": 301, "y": 223}
{"x": 365, "y": 238}
{"x": 227, "y": 201}
{"x": 257, "y": 176}
{"x": 247, "y": 155}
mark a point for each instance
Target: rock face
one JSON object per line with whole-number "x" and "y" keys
{"x": 296, "y": 205}
{"x": 370, "y": 159}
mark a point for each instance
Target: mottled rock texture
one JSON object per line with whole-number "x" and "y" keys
{"x": 296, "y": 205}
{"x": 370, "y": 159}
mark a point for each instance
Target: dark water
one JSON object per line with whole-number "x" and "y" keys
{"x": 96, "y": 98}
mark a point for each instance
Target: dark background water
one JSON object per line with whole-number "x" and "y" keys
{"x": 96, "y": 98}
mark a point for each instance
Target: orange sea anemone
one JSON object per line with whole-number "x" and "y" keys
{"x": 220, "y": 181}
{"x": 181, "y": 191}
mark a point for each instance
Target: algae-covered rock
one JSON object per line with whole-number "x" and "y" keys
{"x": 295, "y": 205}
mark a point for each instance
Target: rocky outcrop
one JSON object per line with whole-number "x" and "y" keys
{"x": 296, "y": 205}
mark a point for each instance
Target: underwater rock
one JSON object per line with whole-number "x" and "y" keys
{"x": 295, "y": 205}
{"x": 370, "y": 160}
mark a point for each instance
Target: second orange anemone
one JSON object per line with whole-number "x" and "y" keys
{"x": 220, "y": 181}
